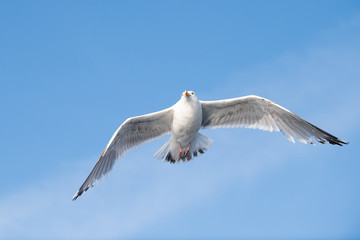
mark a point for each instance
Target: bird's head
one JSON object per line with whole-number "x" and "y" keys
{"x": 188, "y": 95}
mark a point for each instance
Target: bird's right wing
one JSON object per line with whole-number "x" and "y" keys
{"x": 132, "y": 133}
{"x": 260, "y": 113}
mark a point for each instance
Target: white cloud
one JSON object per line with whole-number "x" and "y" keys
{"x": 157, "y": 190}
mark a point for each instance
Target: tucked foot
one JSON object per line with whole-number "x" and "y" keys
{"x": 180, "y": 151}
{"x": 187, "y": 150}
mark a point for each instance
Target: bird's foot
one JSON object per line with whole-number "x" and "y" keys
{"x": 187, "y": 150}
{"x": 180, "y": 151}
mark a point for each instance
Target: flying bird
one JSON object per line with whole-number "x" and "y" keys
{"x": 184, "y": 120}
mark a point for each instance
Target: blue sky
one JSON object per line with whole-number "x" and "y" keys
{"x": 72, "y": 72}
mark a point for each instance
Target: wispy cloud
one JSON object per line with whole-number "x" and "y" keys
{"x": 131, "y": 201}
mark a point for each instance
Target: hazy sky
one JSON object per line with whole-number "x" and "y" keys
{"x": 72, "y": 71}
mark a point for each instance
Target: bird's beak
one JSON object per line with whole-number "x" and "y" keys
{"x": 187, "y": 93}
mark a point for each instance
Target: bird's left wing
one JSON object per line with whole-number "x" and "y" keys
{"x": 260, "y": 113}
{"x": 132, "y": 133}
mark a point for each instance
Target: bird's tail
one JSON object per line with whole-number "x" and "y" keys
{"x": 170, "y": 150}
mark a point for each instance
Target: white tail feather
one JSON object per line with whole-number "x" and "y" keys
{"x": 163, "y": 151}
{"x": 170, "y": 150}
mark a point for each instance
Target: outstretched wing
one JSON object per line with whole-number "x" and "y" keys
{"x": 132, "y": 133}
{"x": 260, "y": 113}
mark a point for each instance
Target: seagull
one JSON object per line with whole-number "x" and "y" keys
{"x": 184, "y": 120}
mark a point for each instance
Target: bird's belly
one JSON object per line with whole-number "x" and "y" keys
{"x": 185, "y": 127}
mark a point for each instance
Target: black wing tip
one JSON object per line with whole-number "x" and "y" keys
{"x": 337, "y": 142}
{"x": 77, "y": 194}
{"x": 327, "y": 136}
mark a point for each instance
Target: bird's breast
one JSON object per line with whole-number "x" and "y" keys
{"x": 187, "y": 120}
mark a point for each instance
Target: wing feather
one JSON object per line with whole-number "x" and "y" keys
{"x": 260, "y": 113}
{"x": 132, "y": 133}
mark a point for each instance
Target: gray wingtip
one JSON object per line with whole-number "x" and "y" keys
{"x": 76, "y": 195}
{"x": 337, "y": 141}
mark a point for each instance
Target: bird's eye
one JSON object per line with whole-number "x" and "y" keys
{"x": 192, "y": 93}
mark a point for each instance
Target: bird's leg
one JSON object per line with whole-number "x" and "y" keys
{"x": 187, "y": 150}
{"x": 180, "y": 150}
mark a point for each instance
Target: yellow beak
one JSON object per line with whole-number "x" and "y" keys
{"x": 187, "y": 93}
